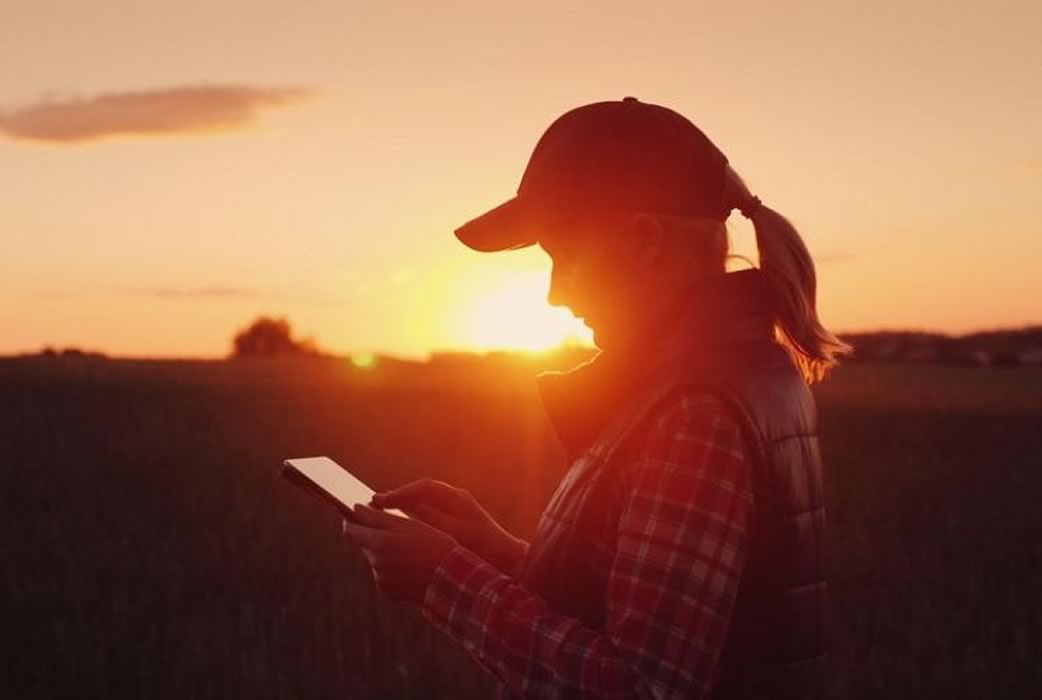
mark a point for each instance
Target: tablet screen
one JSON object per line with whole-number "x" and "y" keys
{"x": 334, "y": 480}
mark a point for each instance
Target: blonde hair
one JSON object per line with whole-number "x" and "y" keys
{"x": 791, "y": 282}
{"x": 788, "y": 271}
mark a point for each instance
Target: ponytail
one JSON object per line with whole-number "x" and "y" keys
{"x": 788, "y": 272}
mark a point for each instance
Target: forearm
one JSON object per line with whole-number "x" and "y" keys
{"x": 504, "y": 551}
{"x": 514, "y": 634}
{"x": 680, "y": 548}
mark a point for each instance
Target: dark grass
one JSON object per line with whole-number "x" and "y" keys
{"x": 150, "y": 550}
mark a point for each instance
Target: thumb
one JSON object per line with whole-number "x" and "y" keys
{"x": 373, "y": 517}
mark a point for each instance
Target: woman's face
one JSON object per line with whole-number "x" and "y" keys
{"x": 614, "y": 274}
{"x": 593, "y": 274}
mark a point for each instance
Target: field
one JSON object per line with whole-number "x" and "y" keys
{"x": 150, "y": 550}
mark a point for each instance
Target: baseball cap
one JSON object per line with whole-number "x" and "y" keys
{"x": 604, "y": 158}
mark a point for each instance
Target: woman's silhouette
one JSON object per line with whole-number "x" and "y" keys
{"x": 681, "y": 555}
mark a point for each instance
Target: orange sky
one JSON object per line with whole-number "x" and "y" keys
{"x": 170, "y": 172}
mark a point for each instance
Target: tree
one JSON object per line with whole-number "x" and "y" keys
{"x": 270, "y": 336}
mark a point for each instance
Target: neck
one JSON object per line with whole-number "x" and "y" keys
{"x": 700, "y": 319}
{"x": 710, "y": 310}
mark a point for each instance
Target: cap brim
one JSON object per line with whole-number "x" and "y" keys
{"x": 510, "y": 225}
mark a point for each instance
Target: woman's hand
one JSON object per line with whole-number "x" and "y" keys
{"x": 455, "y": 511}
{"x": 402, "y": 552}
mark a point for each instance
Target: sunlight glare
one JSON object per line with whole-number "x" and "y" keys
{"x": 516, "y": 316}
{"x": 363, "y": 360}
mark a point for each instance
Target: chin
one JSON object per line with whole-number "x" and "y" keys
{"x": 600, "y": 338}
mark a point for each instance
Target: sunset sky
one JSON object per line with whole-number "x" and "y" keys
{"x": 171, "y": 171}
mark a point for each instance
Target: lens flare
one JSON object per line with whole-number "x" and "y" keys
{"x": 363, "y": 360}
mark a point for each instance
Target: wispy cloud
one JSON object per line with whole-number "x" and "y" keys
{"x": 219, "y": 292}
{"x": 169, "y": 111}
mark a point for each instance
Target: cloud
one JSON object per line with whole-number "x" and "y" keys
{"x": 176, "y": 110}
{"x": 218, "y": 292}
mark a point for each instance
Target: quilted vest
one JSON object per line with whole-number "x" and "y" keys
{"x": 776, "y": 645}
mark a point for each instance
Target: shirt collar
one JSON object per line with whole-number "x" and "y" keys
{"x": 716, "y": 310}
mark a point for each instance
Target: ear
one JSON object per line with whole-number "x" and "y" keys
{"x": 648, "y": 238}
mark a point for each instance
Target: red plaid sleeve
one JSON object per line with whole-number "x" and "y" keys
{"x": 680, "y": 550}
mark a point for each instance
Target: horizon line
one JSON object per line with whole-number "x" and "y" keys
{"x": 427, "y": 356}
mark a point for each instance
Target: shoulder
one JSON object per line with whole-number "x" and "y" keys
{"x": 693, "y": 428}
{"x": 691, "y": 458}
{"x": 691, "y": 412}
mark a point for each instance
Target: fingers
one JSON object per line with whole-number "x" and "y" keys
{"x": 387, "y": 584}
{"x": 413, "y": 493}
{"x": 375, "y": 518}
{"x": 436, "y": 518}
{"x": 377, "y": 547}
{"x": 362, "y": 535}
{"x": 404, "y": 492}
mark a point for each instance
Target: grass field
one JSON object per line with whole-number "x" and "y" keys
{"x": 150, "y": 550}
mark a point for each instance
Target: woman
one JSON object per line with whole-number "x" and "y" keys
{"x": 681, "y": 555}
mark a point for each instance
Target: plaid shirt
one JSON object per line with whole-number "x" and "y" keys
{"x": 679, "y": 549}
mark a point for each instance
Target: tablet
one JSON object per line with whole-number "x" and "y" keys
{"x": 326, "y": 479}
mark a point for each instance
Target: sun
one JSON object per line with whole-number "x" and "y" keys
{"x": 516, "y": 316}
